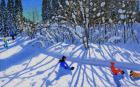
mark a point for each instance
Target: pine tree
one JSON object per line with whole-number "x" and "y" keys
{"x": 10, "y": 6}
{"x": 18, "y": 15}
{"x": 18, "y": 7}
{"x": 3, "y": 29}
{"x": 10, "y": 23}
{"x": 44, "y": 10}
{"x": 2, "y": 5}
{"x": 50, "y": 8}
{"x": 55, "y": 5}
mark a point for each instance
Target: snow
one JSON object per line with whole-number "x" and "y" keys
{"x": 25, "y": 65}
{"x": 134, "y": 13}
{"x": 110, "y": 20}
{"x": 120, "y": 11}
{"x": 103, "y": 19}
{"x": 98, "y": 14}
{"x": 123, "y": 5}
{"x": 102, "y": 4}
{"x": 94, "y": 9}
{"x": 113, "y": 39}
{"x": 73, "y": 16}
{"x": 67, "y": 2}
{"x": 32, "y": 59}
{"x": 122, "y": 16}
{"x": 91, "y": 3}
{"x": 87, "y": 15}
{"x": 102, "y": 13}
{"x": 10, "y": 52}
{"x": 87, "y": 10}
{"x": 81, "y": 8}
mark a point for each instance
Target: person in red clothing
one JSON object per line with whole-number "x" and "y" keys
{"x": 115, "y": 70}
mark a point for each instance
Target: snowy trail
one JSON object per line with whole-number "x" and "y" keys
{"x": 57, "y": 52}
{"x": 89, "y": 61}
{"x": 97, "y": 62}
{"x": 38, "y": 67}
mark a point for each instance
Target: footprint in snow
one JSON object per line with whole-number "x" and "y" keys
{"x": 39, "y": 72}
{"x": 136, "y": 55}
{"x": 2, "y": 80}
{"x": 24, "y": 64}
{"x": 126, "y": 55}
{"x": 30, "y": 73}
{"x": 98, "y": 50}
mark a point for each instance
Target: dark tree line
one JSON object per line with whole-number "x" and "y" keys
{"x": 100, "y": 20}
{"x": 11, "y": 16}
{"x": 51, "y": 8}
{"x": 110, "y": 18}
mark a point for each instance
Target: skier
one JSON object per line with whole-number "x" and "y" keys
{"x": 5, "y": 42}
{"x": 134, "y": 74}
{"x": 64, "y": 65}
{"x": 115, "y": 70}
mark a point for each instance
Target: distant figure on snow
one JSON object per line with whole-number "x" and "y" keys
{"x": 115, "y": 70}
{"x": 134, "y": 74}
{"x": 12, "y": 34}
{"x": 5, "y": 42}
{"x": 64, "y": 65}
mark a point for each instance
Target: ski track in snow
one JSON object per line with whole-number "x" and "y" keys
{"x": 27, "y": 65}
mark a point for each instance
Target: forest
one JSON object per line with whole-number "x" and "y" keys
{"x": 74, "y": 21}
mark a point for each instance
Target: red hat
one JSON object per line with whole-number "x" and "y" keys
{"x": 112, "y": 63}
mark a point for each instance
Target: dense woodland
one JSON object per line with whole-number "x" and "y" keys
{"x": 74, "y": 21}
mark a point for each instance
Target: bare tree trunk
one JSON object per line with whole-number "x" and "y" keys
{"x": 124, "y": 34}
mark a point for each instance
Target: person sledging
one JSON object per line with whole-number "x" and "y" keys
{"x": 117, "y": 74}
{"x": 115, "y": 70}
{"x": 134, "y": 74}
{"x": 64, "y": 68}
{"x": 64, "y": 65}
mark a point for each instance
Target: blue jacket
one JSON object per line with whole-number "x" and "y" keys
{"x": 11, "y": 33}
{"x": 64, "y": 65}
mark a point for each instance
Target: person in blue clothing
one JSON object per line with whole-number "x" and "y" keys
{"x": 64, "y": 65}
{"x": 12, "y": 34}
{"x": 64, "y": 68}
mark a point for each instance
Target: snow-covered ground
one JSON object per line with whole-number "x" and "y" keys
{"x": 28, "y": 65}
